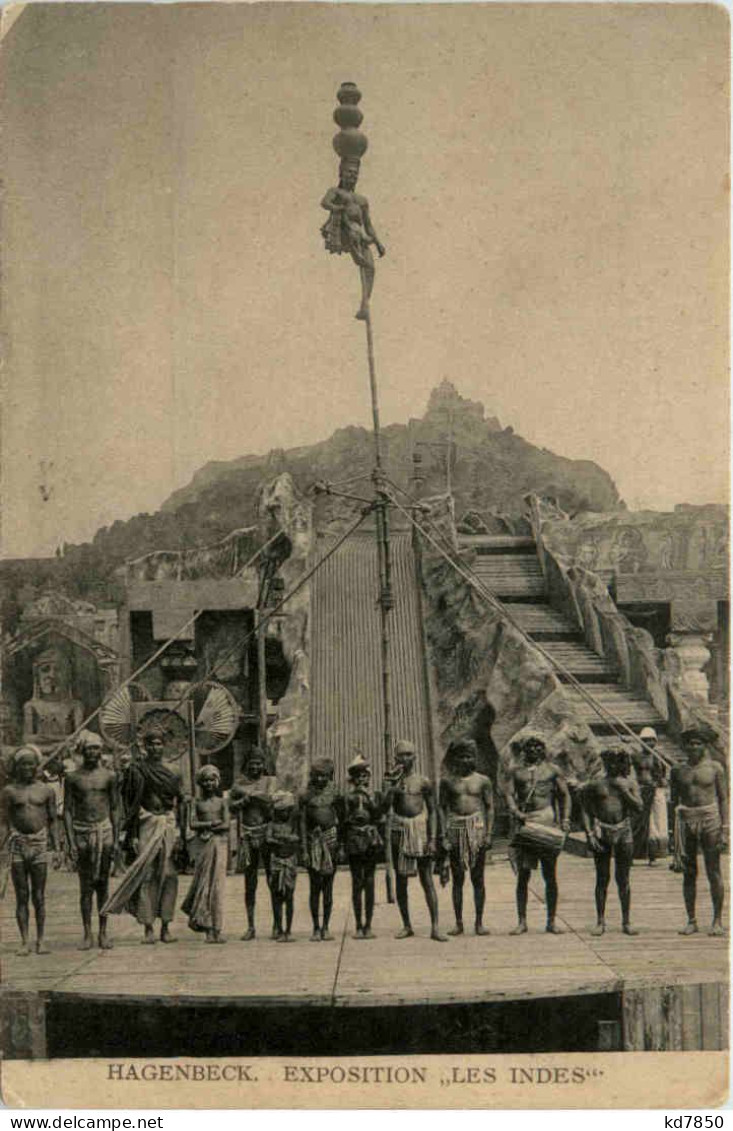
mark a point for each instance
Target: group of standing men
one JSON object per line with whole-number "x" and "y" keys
{"x": 419, "y": 831}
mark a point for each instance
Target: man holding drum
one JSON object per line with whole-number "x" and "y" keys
{"x": 539, "y": 804}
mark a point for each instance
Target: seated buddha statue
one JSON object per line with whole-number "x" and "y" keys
{"x": 52, "y": 713}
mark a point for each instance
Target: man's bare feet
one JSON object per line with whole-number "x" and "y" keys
{"x": 316, "y": 936}
{"x": 148, "y": 938}
{"x": 358, "y": 933}
{"x": 326, "y": 935}
{"x": 368, "y": 933}
{"x": 553, "y": 929}
{"x": 249, "y": 934}
{"x": 628, "y": 929}
{"x": 41, "y": 947}
{"x": 690, "y": 929}
{"x": 457, "y": 930}
{"x": 209, "y": 937}
{"x": 716, "y": 931}
{"x": 598, "y": 930}
{"x": 86, "y": 943}
{"x": 165, "y": 934}
{"x": 437, "y": 935}
{"x": 220, "y": 939}
{"x": 520, "y": 929}
{"x": 405, "y": 933}
{"x": 104, "y": 943}
{"x": 23, "y": 950}
{"x": 480, "y": 929}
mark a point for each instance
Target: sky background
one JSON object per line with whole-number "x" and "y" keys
{"x": 551, "y": 183}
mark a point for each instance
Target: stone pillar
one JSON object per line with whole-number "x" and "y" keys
{"x": 687, "y": 655}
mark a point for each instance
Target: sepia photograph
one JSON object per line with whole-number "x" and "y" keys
{"x": 364, "y": 561}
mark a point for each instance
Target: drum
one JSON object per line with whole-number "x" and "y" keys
{"x": 539, "y": 838}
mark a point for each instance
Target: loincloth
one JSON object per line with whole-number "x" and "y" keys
{"x": 283, "y": 873}
{"x": 321, "y": 848}
{"x": 253, "y": 840}
{"x": 697, "y": 822}
{"x": 410, "y": 838}
{"x": 524, "y": 858}
{"x": 29, "y": 848}
{"x": 467, "y": 838}
{"x": 92, "y": 839}
{"x": 615, "y": 836}
{"x": 362, "y": 840}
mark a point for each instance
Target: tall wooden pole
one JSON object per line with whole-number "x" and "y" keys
{"x": 349, "y": 230}
{"x": 381, "y": 511}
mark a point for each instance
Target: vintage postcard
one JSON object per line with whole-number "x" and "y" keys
{"x": 364, "y": 604}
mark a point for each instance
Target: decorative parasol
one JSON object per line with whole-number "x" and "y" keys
{"x": 118, "y": 714}
{"x": 215, "y": 714}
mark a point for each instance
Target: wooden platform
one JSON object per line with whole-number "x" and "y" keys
{"x": 347, "y": 973}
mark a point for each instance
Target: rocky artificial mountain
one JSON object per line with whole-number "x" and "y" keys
{"x": 492, "y": 468}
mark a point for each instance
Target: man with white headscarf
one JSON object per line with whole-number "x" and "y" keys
{"x": 650, "y": 827}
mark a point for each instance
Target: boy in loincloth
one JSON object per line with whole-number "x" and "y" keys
{"x": 283, "y": 840}
{"x": 608, "y": 805}
{"x": 535, "y": 791}
{"x": 319, "y": 831}
{"x": 91, "y": 823}
{"x": 412, "y": 829}
{"x": 467, "y": 805}
{"x": 29, "y": 811}
{"x": 700, "y": 800}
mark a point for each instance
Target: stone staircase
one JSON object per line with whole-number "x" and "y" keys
{"x": 509, "y": 567}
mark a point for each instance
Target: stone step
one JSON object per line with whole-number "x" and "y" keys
{"x": 630, "y": 707}
{"x": 544, "y": 622}
{"x": 580, "y": 661}
{"x": 511, "y": 575}
{"x": 487, "y": 544}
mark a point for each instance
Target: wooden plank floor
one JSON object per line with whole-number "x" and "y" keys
{"x": 385, "y": 971}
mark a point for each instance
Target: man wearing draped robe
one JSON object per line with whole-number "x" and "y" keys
{"x": 150, "y": 886}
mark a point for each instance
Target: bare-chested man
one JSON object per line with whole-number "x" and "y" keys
{"x": 91, "y": 811}
{"x": 150, "y": 885}
{"x": 700, "y": 800}
{"x": 608, "y": 805}
{"x": 412, "y": 828}
{"x": 536, "y": 791}
{"x": 319, "y": 833}
{"x": 250, "y": 798}
{"x": 29, "y": 813}
{"x": 467, "y": 805}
